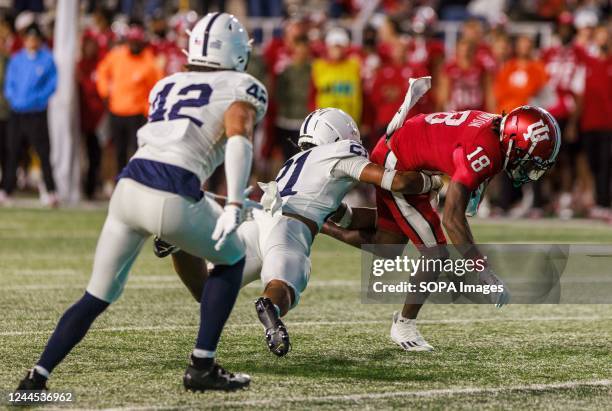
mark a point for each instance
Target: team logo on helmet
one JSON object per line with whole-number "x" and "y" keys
{"x": 537, "y": 132}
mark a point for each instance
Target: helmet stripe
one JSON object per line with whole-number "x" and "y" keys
{"x": 206, "y": 31}
{"x": 305, "y": 130}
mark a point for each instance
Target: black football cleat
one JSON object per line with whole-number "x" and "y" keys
{"x": 277, "y": 337}
{"x": 163, "y": 249}
{"x": 33, "y": 381}
{"x": 213, "y": 378}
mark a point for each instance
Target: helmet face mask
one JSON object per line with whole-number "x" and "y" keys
{"x": 530, "y": 138}
{"x": 527, "y": 169}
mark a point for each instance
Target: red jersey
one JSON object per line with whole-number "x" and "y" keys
{"x": 561, "y": 65}
{"x": 170, "y": 53}
{"x": 424, "y": 51}
{"x": 389, "y": 88}
{"x": 461, "y": 145}
{"x": 105, "y": 40}
{"x": 91, "y": 104}
{"x": 597, "y": 106}
{"x": 484, "y": 56}
{"x": 466, "y": 86}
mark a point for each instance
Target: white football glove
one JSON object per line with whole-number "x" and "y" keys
{"x": 416, "y": 89}
{"x": 227, "y": 223}
{"x": 271, "y": 200}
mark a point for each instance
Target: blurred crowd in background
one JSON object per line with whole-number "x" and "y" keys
{"x": 313, "y": 60}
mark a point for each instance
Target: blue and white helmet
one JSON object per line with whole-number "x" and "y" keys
{"x": 326, "y": 126}
{"x": 219, "y": 40}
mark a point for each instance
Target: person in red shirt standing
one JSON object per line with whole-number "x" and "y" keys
{"x": 101, "y": 31}
{"x": 168, "y": 54}
{"x": 92, "y": 109}
{"x": 594, "y": 109}
{"x": 423, "y": 48}
{"x": 471, "y": 147}
{"x": 562, "y": 62}
{"x": 473, "y": 32}
{"x": 391, "y": 84}
{"x": 465, "y": 83}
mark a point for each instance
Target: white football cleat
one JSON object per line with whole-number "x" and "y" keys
{"x": 405, "y": 334}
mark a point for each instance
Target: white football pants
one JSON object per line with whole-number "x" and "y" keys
{"x": 137, "y": 212}
{"x": 277, "y": 248}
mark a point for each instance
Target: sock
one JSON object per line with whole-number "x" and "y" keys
{"x": 277, "y": 308}
{"x": 41, "y": 371}
{"x": 71, "y": 329}
{"x": 218, "y": 298}
{"x": 202, "y": 359}
{"x": 198, "y": 353}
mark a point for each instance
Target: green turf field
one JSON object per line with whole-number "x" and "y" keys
{"x": 522, "y": 357}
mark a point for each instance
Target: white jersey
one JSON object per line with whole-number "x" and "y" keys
{"x": 309, "y": 185}
{"x": 185, "y": 126}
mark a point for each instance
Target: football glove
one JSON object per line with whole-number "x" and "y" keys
{"x": 416, "y": 89}
{"x": 227, "y": 223}
{"x": 271, "y": 200}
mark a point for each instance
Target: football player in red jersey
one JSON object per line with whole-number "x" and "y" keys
{"x": 465, "y": 83}
{"x": 470, "y": 147}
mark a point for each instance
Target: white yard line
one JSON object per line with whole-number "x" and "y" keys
{"x": 316, "y": 324}
{"x": 445, "y": 392}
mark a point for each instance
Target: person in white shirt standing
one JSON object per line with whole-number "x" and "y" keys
{"x": 198, "y": 119}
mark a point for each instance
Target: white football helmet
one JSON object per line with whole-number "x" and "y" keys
{"x": 326, "y": 126}
{"x": 219, "y": 40}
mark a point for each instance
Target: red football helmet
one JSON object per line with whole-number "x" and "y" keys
{"x": 530, "y": 138}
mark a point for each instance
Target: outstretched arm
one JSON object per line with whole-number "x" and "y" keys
{"x": 405, "y": 182}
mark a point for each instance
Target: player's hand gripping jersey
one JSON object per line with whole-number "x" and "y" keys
{"x": 459, "y": 144}
{"x": 185, "y": 125}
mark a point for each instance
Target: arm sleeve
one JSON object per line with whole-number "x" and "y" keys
{"x": 350, "y": 167}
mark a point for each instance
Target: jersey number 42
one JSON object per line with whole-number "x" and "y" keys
{"x": 159, "y": 109}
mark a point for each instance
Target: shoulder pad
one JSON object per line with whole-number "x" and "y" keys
{"x": 247, "y": 88}
{"x": 347, "y": 148}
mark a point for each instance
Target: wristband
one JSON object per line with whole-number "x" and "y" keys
{"x": 426, "y": 183}
{"x": 387, "y": 179}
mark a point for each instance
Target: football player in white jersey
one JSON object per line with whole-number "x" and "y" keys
{"x": 308, "y": 190}
{"x": 198, "y": 119}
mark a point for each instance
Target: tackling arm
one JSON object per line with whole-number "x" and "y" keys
{"x": 406, "y": 182}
